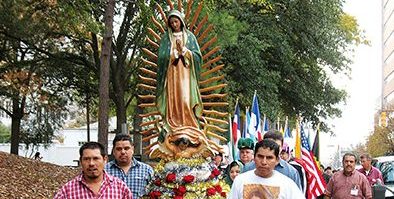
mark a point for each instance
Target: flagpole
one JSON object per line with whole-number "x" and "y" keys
{"x": 231, "y": 142}
{"x": 297, "y": 146}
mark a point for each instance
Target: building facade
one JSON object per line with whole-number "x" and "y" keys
{"x": 387, "y": 54}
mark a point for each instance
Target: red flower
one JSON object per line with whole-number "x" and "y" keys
{"x": 223, "y": 194}
{"x": 211, "y": 191}
{"x": 188, "y": 179}
{"x": 216, "y": 172}
{"x": 218, "y": 188}
{"x": 155, "y": 194}
{"x": 180, "y": 190}
{"x": 178, "y": 197}
{"x": 157, "y": 182}
{"x": 170, "y": 177}
{"x": 211, "y": 176}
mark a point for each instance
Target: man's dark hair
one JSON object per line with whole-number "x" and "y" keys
{"x": 122, "y": 137}
{"x": 267, "y": 144}
{"x": 349, "y": 154}
{"x": 328, "y": 168}
{"x": 92, "y": 145}
{"x": 274, "y": 135}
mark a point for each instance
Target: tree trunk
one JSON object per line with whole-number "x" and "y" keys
{"x": 104, "y": 74}
{"x": 137, "y": 134}
{"x": 16, "y": 118}
{"x": 118, "y": 99}
{"x": 88, "y": 117}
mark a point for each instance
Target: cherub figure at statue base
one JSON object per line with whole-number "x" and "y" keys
{"x": 183, "y": 142}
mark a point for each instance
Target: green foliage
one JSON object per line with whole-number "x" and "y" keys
{"x": 5, "y": 133}
{"x": 44, "y": 56}
{"x": 39, "y": 128}
{"x": 381, "y": 141}
{"x": 285, "y": 52}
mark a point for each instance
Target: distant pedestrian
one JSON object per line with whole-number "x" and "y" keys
{"x": 327, "y": 173}
{"x": 348, "y": 183}
{"x": 134, "y": 173}
{"x": 93, "y": 182}
{"x": 297, "y": 163}
{"x": 37, "y": 156}
{"x": 372, "y": 173}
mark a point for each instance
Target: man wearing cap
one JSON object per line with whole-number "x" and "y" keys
{"x": 283, "y": 167}
{"x": 245, "y": 146}
{"x": 134, "y": 173}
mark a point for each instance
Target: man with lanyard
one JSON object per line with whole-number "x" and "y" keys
{"x": 348, "y": 183}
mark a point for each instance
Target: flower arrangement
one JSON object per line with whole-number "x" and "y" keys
{"x": 187, "y": 179}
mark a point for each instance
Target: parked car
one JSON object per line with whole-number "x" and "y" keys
{"x": 386, "y": 165}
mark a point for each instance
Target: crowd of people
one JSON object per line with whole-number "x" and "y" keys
{"x": 268, "y": 162}
{"x": 264, "y": 170}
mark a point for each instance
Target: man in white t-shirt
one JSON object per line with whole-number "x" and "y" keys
{"x": 264, "y": 181}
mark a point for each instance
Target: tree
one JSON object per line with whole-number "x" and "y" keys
{"x": 381, "y": 141}
{"x": 126, "y": 57}
{"x": 39, "y": 128}
{"x": 286, "y": 52}
{"x": 34, "y": 44}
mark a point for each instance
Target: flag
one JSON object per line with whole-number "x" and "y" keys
{"x": 255, "y": 124}
{"x": 236, "y": 131}
{"x": 265, "y": 125}
{"x": 287, "y": 129}
{"x": 247, "y": 131}
{"x": 315, "y": 147}
{"x": 316, "y": 183}
{"x": 282, "y": 130}
{"x": 287, "y": 135}
{"x": 297, "y": 147}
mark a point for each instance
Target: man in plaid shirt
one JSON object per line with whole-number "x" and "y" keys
{"x": 94, "y": 182}
{"x": 134, "y": 173}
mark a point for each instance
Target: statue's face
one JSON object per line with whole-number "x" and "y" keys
{"x": 175, "y": 24}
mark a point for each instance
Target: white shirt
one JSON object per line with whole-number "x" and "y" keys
{"x": 276, "y": 186}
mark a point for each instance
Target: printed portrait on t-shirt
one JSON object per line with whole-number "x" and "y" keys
{"x": 259, "y": 191}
